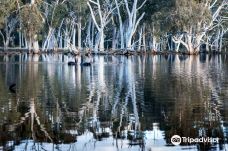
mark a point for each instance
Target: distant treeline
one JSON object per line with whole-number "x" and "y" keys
{"x": 187, "y": 26}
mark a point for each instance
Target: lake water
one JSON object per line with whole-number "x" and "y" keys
{"x": 117, "y": 104}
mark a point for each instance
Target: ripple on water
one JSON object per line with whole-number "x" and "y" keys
{"x": 181, "y": 94}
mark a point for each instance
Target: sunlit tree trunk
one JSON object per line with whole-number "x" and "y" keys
{"x": 154, "y": 44}
{"x": 101, "y": 44}
{"x": 140, "y": 39}
{"x": 114, "y": 38}
{"x": 79, "y": 33}
{"x": 133, "y": 22}
{"x": 96, "y": 42}
{"x": 9, "y": 27}
{"x": 104, "y": 17}
{"x": 144, "y": 38}
{"x": 47, "y": 40}
{"x": 88, "y": 34}
{"x": 59, "y": 38}
{"x": 121, "y": 25}
{"x": 35, "y": 45}
{"x": 74, "y": 37}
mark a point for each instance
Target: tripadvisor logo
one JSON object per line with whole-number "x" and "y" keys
{"x": 176, "y": 140}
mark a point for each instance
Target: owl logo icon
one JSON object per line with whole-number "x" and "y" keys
{"x": 176, "y": 140}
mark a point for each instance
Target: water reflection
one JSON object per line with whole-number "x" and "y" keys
{"x": 117, "y": 103}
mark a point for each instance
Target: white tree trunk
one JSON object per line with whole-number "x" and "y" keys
{"x": 221, "y": 39}
{"x": 97, "y": 40}
{"x": 66, "y": 39}
{"x": 144, "y": 38}
{"x": 154, "y": 44}
{"x": 133, "y": 22}
{"x": 103, "y": 20}
{"x": 35, "y": 45}
{"x": 79, "y": 34}
{"x": 121, "y": 26}
{"x": 217, "y": 40}
{"x": 74, "y": 38}
{"x": 20, "y": 39}
{"x": 102, "y": 36}
{"x": 89, "y": 39}
{"x": 92, "y": 36}
{"x": 140, "y": 39}
{"x": 114, "y": 38}
{"x": 47, "y": 40}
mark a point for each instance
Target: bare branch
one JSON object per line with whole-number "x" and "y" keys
{"x": 93, "y": 2}
{"x": 137, "y": 23}
{"x": 213, "y": 4}
{"x": 127, "y": 7}
{"x": 93, "y": 16}
{"x": 141, "y": 5}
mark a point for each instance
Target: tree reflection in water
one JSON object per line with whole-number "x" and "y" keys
{"x": 124, "y": 103}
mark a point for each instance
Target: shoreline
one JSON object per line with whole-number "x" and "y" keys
{"x": 16, "y": 51}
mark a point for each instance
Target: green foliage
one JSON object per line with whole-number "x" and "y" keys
{"x": 79, "y": 6}
{"x": 60, "y": 12}
{"x": 6, "y": 8}
{"x": 157, "y": 13}
{"x": 176, "y": 15}
{"x": 79, "y": 10}
{"x": 31, "y": 20}
{"x": 189, "y": 13}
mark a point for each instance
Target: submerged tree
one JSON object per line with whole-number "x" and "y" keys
{"x": 80, "y": 9}
{"x": 55, "y": 13}
{"x": 104, "y": 10}
{"x": 155, "y": 25}
{"x": 132, "y": 21}
{"x": 32, "y": 22}
{"x": 8, "y": 20}
{"x": 193, "y": 19}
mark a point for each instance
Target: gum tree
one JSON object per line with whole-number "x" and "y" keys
{"x": 55, "y": 13}
{"x": 79, "y": 9}
{"x": 8, "y": 20}
{"x": 133, "y": 20}
{"x": 32, "y": 22}
{"x": 194, "y": 19}
{"x": 103, "y": 10}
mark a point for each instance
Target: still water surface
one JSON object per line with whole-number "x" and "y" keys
{"x": 117, "y": 104}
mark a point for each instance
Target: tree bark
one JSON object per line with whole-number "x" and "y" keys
{"x": 133, "y": 22}
{"x": 121, "y": 26}
{"x": 35, "y": 45}
{"x": 79, "y": 34}
{"x": 103, "y": 20}
{"x": 114, "y": 38}
{"x": 140, "y": 39}
{"x": 144, "y": 38}
{"x": 102, "y": 36}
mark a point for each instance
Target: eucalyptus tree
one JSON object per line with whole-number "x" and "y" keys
{"x": 55, "y": 12}
{"x": 133, "y": 20}
{"x": 219, "y": 30}
{"x": 128, "y": 19}
{"x": 120, "y": 19}
{"x": 194, "y": 19}
{"x": 162, "y": 28}
{"x": 32, "y": 21}
{"x": 8, "y": 20}
{"x": 103, "y": 10}
{"x": 80, "y": 10}
{"x": 155, "y": 25}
